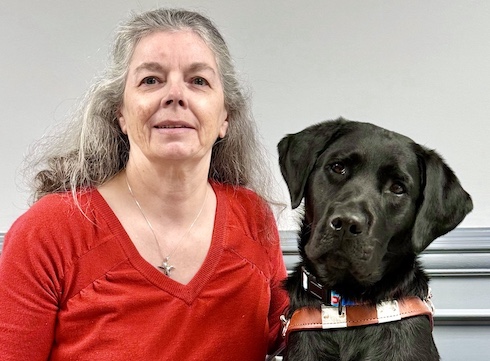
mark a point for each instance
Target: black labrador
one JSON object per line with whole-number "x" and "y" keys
{"x": 374, "y": 200}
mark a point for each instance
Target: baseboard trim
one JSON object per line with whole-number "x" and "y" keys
{"x": 462, "y": 317}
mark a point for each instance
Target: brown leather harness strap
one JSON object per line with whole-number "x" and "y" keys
{"x": 331, "y": 317}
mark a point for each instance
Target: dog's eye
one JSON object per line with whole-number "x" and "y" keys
{"x": 338, "y": 168}
{"x": 397, "y": 188}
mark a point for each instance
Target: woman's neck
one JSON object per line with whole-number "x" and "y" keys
{"x": 171, "y": 195}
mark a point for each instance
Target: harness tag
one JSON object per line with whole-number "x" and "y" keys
{"x": 332, "y": 319}
{"x": 305, "y": 281}
{"x": 388, "y": 311}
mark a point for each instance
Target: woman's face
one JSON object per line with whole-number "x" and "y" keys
{"x": 173, "y": 104}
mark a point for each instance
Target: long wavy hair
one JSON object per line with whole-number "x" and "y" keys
{"x": 91, "y": 149}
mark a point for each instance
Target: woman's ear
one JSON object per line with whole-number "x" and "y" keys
{"x": 223, "y": 129}
{"x": 121, "y": 121}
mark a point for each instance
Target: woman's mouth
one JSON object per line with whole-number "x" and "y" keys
{"x": 170, "y": 126}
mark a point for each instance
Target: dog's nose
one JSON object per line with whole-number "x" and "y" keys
{"x": 351, "y": 224}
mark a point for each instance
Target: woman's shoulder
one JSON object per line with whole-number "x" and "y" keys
{"x": 246, "y": 197}
{"x": 58, "y": 224}
{"x": 245, "y": 202}
{"x": 56, "y": 205}
{"x": 52, "y": 213}
{"x": 248, "y": 210}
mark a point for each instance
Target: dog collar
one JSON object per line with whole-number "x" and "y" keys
{"x": 327, "y": 296}
{"x": 328, "y": 317}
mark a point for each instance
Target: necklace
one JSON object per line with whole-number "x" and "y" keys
{"x": 166, "y": 267}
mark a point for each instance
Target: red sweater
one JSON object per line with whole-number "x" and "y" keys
{"x": 74, "y": 287}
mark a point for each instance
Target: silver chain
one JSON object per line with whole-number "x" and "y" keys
{"x": 165, "y": 267}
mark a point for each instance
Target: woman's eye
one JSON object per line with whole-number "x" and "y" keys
{"x": 200, "y": 81}
{"x": 149, "y": 80}
{"x": 398, "y": 188}
{"x": 338, "y": 168}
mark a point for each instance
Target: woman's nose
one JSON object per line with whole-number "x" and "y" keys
{"x": 175, "y": 94}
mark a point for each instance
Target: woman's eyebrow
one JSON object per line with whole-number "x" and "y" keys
{"x": 154, "y": 66}
{"x": 201, "y": 67}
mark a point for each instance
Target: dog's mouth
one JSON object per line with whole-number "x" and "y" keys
{"x": 341, "y": 258}
{"x": 335, "y": 261}
{"x": 347, "y": 276}
{"x": 336, "y": 267}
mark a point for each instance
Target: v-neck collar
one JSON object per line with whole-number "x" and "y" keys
{"x": 191, "y": 290}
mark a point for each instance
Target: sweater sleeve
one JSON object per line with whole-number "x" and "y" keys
{"x": 29, "y": 291}
{"x": 279, "y": 296}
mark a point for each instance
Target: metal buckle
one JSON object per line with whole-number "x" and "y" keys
{"x": 285, "y": 324}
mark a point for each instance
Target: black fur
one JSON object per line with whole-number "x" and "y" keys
{"x": 374, "y": 200}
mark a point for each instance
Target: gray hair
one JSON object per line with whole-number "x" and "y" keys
{"x": 93, "y": 149}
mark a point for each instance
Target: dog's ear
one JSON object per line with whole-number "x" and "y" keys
{"x": 444, "y": 202}
{"x": 298, "y": 153}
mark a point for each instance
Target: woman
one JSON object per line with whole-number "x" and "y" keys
{"x": 146, "y": 241}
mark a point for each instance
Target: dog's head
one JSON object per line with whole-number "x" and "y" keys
{"x": 371, "y": 196}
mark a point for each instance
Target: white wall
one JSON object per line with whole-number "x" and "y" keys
{"x": 418, "y": 67}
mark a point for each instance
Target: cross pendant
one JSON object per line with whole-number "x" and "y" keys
{"x": 165, "y": 267}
